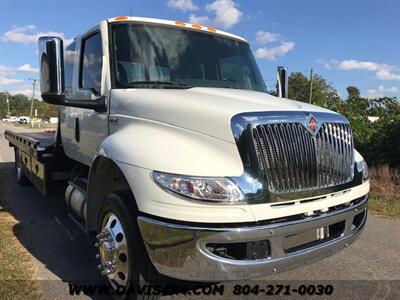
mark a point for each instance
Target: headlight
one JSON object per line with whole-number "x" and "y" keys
{"x": 201, "y": 188}
{"x": 363, "y": 167}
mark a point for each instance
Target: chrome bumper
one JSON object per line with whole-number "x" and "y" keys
{"x": 180, "y": 251}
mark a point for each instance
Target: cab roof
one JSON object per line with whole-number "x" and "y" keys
{"x": 180, "y": 24}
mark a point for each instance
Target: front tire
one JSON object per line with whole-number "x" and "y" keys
{"x": 122, "y": 254}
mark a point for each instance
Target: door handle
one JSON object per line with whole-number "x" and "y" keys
{"x": 77, "y": 131}
{"x": 113, "y": 119}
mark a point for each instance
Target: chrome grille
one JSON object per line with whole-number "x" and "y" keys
{"x": 294, "y": 160}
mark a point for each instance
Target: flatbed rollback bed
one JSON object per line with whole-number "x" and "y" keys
{"x": 39, "y": 158}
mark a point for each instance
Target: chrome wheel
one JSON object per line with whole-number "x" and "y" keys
{"x": 113, "y": 251}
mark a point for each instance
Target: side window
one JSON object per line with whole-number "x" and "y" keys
{"x": 92, "y": 63}
{"x": 69, "y": 59}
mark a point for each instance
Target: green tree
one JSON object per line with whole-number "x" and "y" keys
{"x": 353, "y": 92}
{"x": 323, "y": 93}
{"x": 20, "y": 105}
{"x": 379, "y": 141}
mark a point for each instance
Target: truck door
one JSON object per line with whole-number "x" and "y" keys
{"x": 82, "y": 130}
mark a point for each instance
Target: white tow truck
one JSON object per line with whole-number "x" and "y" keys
{"x": 182, "y": 164}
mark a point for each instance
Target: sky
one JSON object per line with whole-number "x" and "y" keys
{"x": 348, "y": 42}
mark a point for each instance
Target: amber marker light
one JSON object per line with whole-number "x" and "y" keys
{"x": 195, "y": 26}
{"x": 180, "y": 23}
{"x": 120, "y": 18}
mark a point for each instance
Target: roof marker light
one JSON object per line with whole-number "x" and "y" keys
{"x": 120, "y": 18}
{"x": 196, "y": 26}
{"x": 180, "y": 23}
{"x": 212, "y": 29}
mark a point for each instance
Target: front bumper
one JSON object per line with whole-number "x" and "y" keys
{"x": 183, "y": 252}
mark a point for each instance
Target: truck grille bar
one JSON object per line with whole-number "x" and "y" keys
{"x": 293, "y": 160}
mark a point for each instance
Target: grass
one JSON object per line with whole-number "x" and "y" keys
{"x": 17, "y": 272}
{"x": 385, "y": 192}
{"x": 16, "y": 269}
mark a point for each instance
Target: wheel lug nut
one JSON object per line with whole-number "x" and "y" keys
{"x": 97, "y": 245}
{"x": 100, "y": 266}
{"x": 97, "y": 256}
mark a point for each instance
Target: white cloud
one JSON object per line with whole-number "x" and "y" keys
{"x": 183, "y": 5}
{"x": 27, "y": 68}
{"x": 328, "y": 64}
{"x": 226, "y": 14}
{"x": 373, "y": 93}
{"x": 352, "y": 64}
{"x": 8, "y": 81}
{"x": 393, "y": 89}
{"x": 226, "y": 11}
{"x": 200, "y": 20}
{"x": 387, "y": 75}
{"x": 28, "y": 35}
{"x": 382, "y": 71}
{"x": 263, "y": 37}
{"x": 4, "y": 70}
{"x": 381, "y": 91}
{"x": 274, "y": 52}
{"x": 27, "y": 91}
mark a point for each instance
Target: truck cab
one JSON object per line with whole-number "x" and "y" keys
{"x": 182, "y": 164}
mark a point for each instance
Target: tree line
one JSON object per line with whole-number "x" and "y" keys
{"x": 20, "y": 105}
{"x": 379, "y": 141}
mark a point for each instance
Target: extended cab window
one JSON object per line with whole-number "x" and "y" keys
{"x": 69, "y": 59}
{"x": 92, "y": 63}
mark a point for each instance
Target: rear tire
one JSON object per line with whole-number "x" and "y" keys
{"x": 119, "y": 209}
{"x": 21, "y": 178}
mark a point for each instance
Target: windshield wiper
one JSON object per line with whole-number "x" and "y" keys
{"x": 158, "y": 84}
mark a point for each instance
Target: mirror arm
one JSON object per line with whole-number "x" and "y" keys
{"x": 99, "y": 104}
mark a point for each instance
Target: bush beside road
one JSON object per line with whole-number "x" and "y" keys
{"x": 385, "y": 192}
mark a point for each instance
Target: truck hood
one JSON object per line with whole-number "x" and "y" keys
{"x": 205, "y": 110}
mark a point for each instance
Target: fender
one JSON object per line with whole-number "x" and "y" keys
{"x": 148, "y": 145}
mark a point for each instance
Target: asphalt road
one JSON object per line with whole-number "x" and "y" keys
{"x": 369, "y": 268}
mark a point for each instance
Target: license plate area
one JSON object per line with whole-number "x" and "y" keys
{"x": 312, "y": 237}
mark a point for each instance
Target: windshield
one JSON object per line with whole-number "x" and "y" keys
{"x": 154, "y": 56}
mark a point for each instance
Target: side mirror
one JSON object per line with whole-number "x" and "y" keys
{"x": 51, "y": 54}
{"x": 282, "y": 82}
